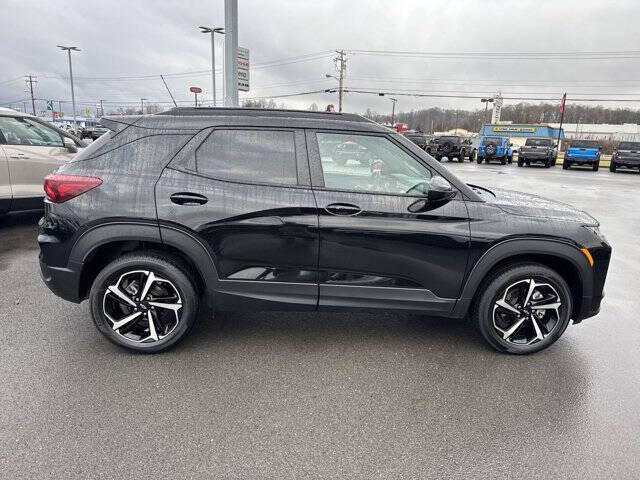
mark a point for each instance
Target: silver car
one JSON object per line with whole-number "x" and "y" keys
{"x": 30, "y": 149}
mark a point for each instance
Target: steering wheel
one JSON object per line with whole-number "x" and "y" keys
{"x": 420, "y": 188}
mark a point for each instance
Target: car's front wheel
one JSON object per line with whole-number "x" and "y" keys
{"x": 522, "y": 308}
{"x": 144, "y": 302}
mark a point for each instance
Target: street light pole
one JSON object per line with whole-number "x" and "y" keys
{"x": 142, "y": 105}
{"x": 486, "y": 102}
{"x": 393, "y": 110}
{"x": 73, "y": 96}
{"x": 231, "y": 53}
{"x": 213, "y": 31}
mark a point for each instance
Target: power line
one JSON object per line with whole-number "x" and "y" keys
{"x": 585, "y": 55}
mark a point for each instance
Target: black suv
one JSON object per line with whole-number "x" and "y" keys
{"x": 238, "y": 209}
{"x": 538, "y": 150}
{"x": 626, "y": 154}
{"x": 451, "y": 146}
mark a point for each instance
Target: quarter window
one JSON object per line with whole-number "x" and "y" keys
{"x": 254, "y": 156}
{"x": 24, "y": 131}
{"x": 370, "y": 163}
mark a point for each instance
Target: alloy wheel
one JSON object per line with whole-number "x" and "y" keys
{"x": 142, "y": 307}
{"x": 527, "y": 312}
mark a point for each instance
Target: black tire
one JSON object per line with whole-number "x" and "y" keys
{"x": 520, "y": 162}
{"x": 596, "y": 166}
{"x": 165, "y": 267}
{"x": 566, "y": 165}
{"x": 547, "y": 163}
{"x": 472, "y": 156}
{"x": 503, "y": 161}
{"x": 613, "y": 167}
{"x": 461, "y": 156}
{"x": 494, "y": 288}
{"x": 479, "y": 160}
{"x": 438, "y": 158}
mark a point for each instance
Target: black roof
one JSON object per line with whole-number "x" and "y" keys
{"x": 263, "y": 112}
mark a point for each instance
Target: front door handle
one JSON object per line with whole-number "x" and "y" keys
{"x": 346, "y": 209}
{"x": 188, "y": 199}
{"x": 19, "y": 155}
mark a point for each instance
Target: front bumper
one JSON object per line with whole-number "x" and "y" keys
{"x": 590, "y": 305}
{"x": 627, "y": 162}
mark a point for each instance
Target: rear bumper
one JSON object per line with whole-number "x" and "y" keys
{"x": 62, "y": 281}
{"x": 582, "y": 160}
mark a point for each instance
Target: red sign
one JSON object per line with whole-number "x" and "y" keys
{"x": 401, "y": 127}
{"x": 195, "y": 90}
{"x": 564, "y": 99}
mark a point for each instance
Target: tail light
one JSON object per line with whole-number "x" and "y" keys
{"x": 60, "y": 188}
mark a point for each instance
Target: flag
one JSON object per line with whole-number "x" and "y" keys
{"x": 564, "y": 99}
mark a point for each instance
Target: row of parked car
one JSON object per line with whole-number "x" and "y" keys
{"x": 540, "y": 150}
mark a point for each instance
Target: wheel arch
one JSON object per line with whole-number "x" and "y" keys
{"x": 562, "y": 257}
{"x": 102, "y": 244}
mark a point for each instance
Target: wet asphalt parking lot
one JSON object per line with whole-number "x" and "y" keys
{"x": 327, "y": 395}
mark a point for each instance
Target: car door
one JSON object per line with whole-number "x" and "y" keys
{"x": 5, "y": 183}
{"x": 374, "y": 251}
{"x": 245, "y": 193}
{"x": 33, "y": 151}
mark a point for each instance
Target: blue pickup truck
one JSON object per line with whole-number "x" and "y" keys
{"x": 582, "y": 152}
{"x": 495, "y": 148}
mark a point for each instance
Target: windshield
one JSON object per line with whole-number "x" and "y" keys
{"x": 491, "y": 140}
{"x": 629, "y": 146}
{"x": 584, "y": 144}
{"x": 538, "y": 142}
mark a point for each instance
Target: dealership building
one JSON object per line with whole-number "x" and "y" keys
{"x": 518, "y": 133}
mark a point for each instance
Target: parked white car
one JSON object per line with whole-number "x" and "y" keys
{"x": 30, "y": 149}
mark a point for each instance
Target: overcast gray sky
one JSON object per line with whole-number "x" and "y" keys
{"x": 147, "y": 38}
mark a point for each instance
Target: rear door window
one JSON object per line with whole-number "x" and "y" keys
{"x": 249, "y": 156}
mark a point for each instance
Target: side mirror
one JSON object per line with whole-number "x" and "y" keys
{"x": 440, "y": 190}
{"x": 70, "y": 145}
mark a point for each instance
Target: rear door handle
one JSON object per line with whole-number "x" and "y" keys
{"x": 188, "y": 199}
{"x": 19, "y": 155}
{"x": 346, "y": 209}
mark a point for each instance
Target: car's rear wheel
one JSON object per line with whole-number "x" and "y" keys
{"x": 523, "y": 308}
{"x": 612, "y": 166}
{"x": 479, "y": 160}
{"x": 596, "y": 166}
{"x": 144, "y": 302}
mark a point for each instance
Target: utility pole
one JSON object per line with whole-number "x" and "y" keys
{"x": 73, "y": 96}
{"x": 213, "y": 31}
{"x": 142, "y": 105}
{"x": 341, "y": 65}
{"x": 33, "y": 102}
{"x": 231, "y": 53}
{"x": 393, "y": 110}
{"x": 170, "y": 94}
{"x": 101, "y": 107}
